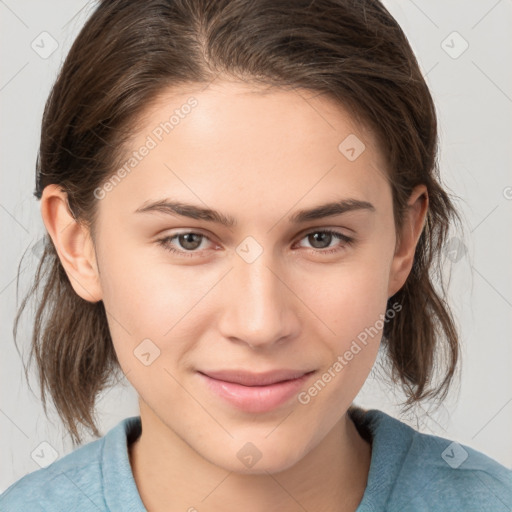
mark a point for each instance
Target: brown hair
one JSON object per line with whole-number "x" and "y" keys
{"x": 125, "y": 55}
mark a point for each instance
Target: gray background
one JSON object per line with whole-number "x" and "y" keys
{"x": 473, "y": 93}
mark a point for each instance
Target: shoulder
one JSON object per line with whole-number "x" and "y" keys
{"x": 453, "y": 474}
{"x": 435, "y": 473}
{"x": 68, "y": 481}
{"x": 73, "y": 482}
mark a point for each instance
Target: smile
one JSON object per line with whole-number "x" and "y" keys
{"x": 255, "y": 393}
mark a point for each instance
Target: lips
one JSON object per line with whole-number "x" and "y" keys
{"x": 255, "y": 392}
{"x": 255, "y": 379}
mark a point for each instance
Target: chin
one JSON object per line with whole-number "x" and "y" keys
{"x": 250, "y": 459}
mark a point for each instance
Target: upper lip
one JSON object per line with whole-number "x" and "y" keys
{"x": 255, "y": 379}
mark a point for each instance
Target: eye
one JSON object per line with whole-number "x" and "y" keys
{"x": 324, "y": 240}
{"x": 190, "y": 242}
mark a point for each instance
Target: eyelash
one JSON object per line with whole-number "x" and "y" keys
{"x": 165, "y": 242}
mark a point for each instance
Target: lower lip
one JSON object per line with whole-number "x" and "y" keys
{"x": 255, "y": 398}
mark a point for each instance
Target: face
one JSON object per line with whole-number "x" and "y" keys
{"x": 269, "y": 288}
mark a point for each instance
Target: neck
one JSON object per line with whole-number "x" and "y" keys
{"x": 170, "y": 475}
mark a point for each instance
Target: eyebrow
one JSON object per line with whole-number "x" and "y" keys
{"x": 170, "y": 207}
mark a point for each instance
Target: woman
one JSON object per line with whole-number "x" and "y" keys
{"x": 243, "y": 205}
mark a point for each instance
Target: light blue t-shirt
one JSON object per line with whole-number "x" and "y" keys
{"x": 409, "y": 471}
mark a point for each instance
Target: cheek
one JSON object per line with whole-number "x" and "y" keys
{"x": 152, "y": 308}
{"x": 144, "y": 292}
{"x": 352, "y": 306}
{"x": 348, "y": 299}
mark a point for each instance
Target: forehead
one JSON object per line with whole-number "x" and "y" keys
{"x": 229, "y": 112}
{"x": 248, "y": 146}
{"x": 229, "y": 106}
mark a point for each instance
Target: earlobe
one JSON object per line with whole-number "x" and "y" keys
{"x": 413, "y": 225}
{"x": 72, "y": 242}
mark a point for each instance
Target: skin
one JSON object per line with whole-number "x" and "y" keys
{"x": 258, "y": 157}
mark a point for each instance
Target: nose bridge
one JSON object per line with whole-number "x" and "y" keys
{"x": 258, "y": 308}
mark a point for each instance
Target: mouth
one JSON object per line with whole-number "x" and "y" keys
{"x": 255, "y": 392}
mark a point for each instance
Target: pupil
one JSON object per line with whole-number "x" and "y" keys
{"x": 320, "y": 235}
{"x": 184, "y": 240}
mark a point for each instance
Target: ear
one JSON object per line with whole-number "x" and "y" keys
{"x": 413, "y": 224}
{"x": 72, "y": 242}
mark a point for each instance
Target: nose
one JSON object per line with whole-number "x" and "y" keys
{"x": 258, "y": 308}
